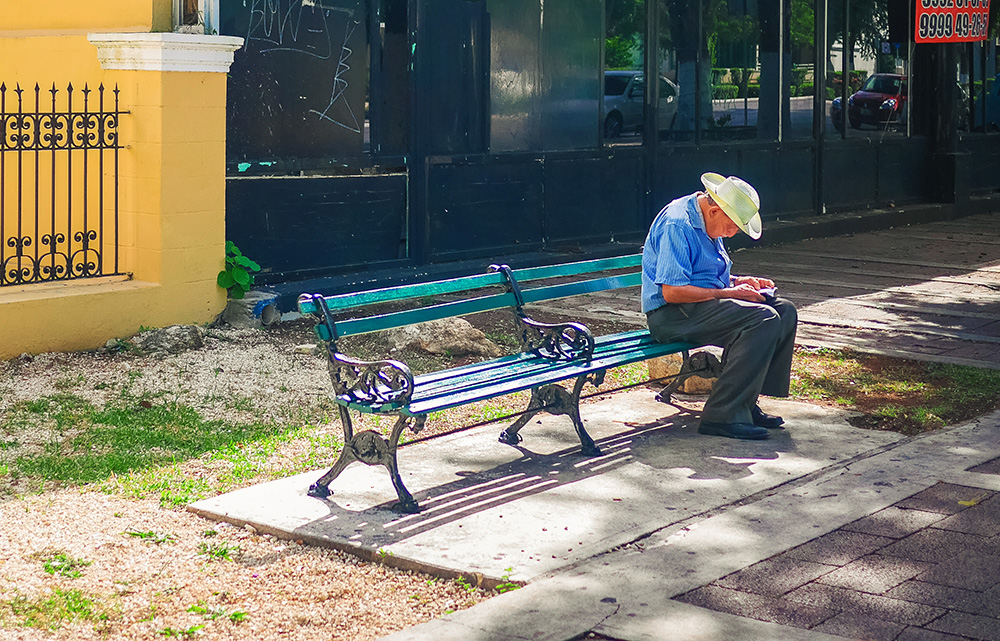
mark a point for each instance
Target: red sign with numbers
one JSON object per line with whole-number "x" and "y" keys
{"x": 951, "y": 20}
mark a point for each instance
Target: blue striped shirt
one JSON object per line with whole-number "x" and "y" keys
{"x": 678, "y": 251}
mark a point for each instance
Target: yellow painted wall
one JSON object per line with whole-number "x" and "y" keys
{"x": 171, "y": 177}
{"x": 81, "y": 16}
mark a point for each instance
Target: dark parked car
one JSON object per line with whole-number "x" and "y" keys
{"x": 879, "y": 101}
{"x": 624, "y": 92}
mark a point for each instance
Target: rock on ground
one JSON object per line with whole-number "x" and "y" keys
{"x": 451, "y": 336}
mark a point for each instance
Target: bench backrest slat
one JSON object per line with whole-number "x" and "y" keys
{"x": 575, "y": 269}
{"x": 366, "y": 324}
{"x": 580, "y": 287}
{"x": 404, "y": 292}
{"x": 423, "y": 314}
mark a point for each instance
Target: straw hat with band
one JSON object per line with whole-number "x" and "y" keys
{"x": 738, "y": 199}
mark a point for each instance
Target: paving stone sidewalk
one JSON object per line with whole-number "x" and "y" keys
{"x": 925, "y": 568}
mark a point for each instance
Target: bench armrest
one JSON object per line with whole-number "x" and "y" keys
{"x": 385, "y": 382}
{"x": 557, "y": 341}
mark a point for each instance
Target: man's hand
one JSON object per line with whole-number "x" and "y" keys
{"x": 744, "y": 291}
{"x": 692, "y": 294}
{"x": 753, "y": 281}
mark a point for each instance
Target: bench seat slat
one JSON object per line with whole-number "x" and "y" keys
{"x": 480, "y": 381}
{"x": 497, "y": 377}
{"x": 419, "y": 405}
{"x": 495, "y": 367}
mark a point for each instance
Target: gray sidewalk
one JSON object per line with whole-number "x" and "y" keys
{"x": 605, "y": 545}
{"x": 824, "y": 531}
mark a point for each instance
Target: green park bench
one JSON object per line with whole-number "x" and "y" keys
{"x": 550, "y": 353}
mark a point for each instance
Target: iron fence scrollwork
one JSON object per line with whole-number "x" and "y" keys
{"x": 59, "y": 193}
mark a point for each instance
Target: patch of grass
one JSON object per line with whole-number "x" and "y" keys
{"x": 218, "y": 550}
{"x": 903, "y": 396}
{"x": 151, "y": 536}
{"x": 64, "y": 565}
{"x": 187, "y": 633}
{"x": 213, "y": 612}
{"x": 131, "y": 434}
{"x": 628, "y": 375}
{"x": 69, "y": 382}
{"x": 488, "y": 412}
{"x": 52, "y": 611}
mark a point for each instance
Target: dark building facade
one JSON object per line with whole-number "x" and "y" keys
{"x": 394, "y": 135}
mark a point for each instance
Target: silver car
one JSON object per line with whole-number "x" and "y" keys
{"x": 624, "y": 92}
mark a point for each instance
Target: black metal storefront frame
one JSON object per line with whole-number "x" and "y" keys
{"x": 449, "y": 202}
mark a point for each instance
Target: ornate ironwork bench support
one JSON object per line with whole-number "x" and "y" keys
{"x": 371, "y": 448}
{"x": 555, "y": 400}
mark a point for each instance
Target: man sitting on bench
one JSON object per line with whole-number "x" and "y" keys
{"x": 689, "y": 295}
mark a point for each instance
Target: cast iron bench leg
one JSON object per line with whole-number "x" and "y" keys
{"x": 555, "y": 400}
{"x": 371, "y": 448}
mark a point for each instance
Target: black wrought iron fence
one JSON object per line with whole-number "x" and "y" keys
{"x": 58, "y": 184}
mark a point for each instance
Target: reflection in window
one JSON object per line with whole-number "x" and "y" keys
{"x": 624, "y": 91}
{"x": 543, "y": 89}
{"x": 735, "y": 37}
{"x": 980, "y": 88}
{"x": 876, "y": 72}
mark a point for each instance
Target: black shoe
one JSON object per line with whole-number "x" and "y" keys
{"x": 760, "y": 419}
{"x": 733, "y": 430}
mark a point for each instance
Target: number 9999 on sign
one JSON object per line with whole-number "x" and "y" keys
{"x": 945, "y": 26}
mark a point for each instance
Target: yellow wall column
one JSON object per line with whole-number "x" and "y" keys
{"x": 172, "y": 199}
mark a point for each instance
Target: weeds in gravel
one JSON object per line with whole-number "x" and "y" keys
{"x": 60, "y": 563}
{"x": 463, "y": 583}
{"x": 52, "y": 611}
{"x": 213, "y": 612}
{"x": 187, "y": 633}
{"x": 506, "y": 585}
{"x": 151, "y": 536}
{"x": 217, "y": 550}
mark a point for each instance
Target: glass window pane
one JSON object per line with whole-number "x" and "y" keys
{"x": 571, "y": 56}
{"x": 514, "y": 73}
{"x": 876, "y": 71}
{"x": 622, "y": 112}
{"x": 734, "y": 34}
{"x": 297, "y": 87}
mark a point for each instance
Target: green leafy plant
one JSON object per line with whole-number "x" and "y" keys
{"x": 237, "y": 277}
{"x": 463, "y": 583}
{"x": 506, "y": 585}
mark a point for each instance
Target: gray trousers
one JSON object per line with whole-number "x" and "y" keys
{"x": 758, "y": 339}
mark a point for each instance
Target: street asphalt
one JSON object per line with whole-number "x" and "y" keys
{"x": 823, "y": 531}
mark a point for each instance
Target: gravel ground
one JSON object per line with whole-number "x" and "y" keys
{"x": 136, "y": 570}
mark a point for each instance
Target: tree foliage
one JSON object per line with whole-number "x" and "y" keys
{"x": 803, "y": 25}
